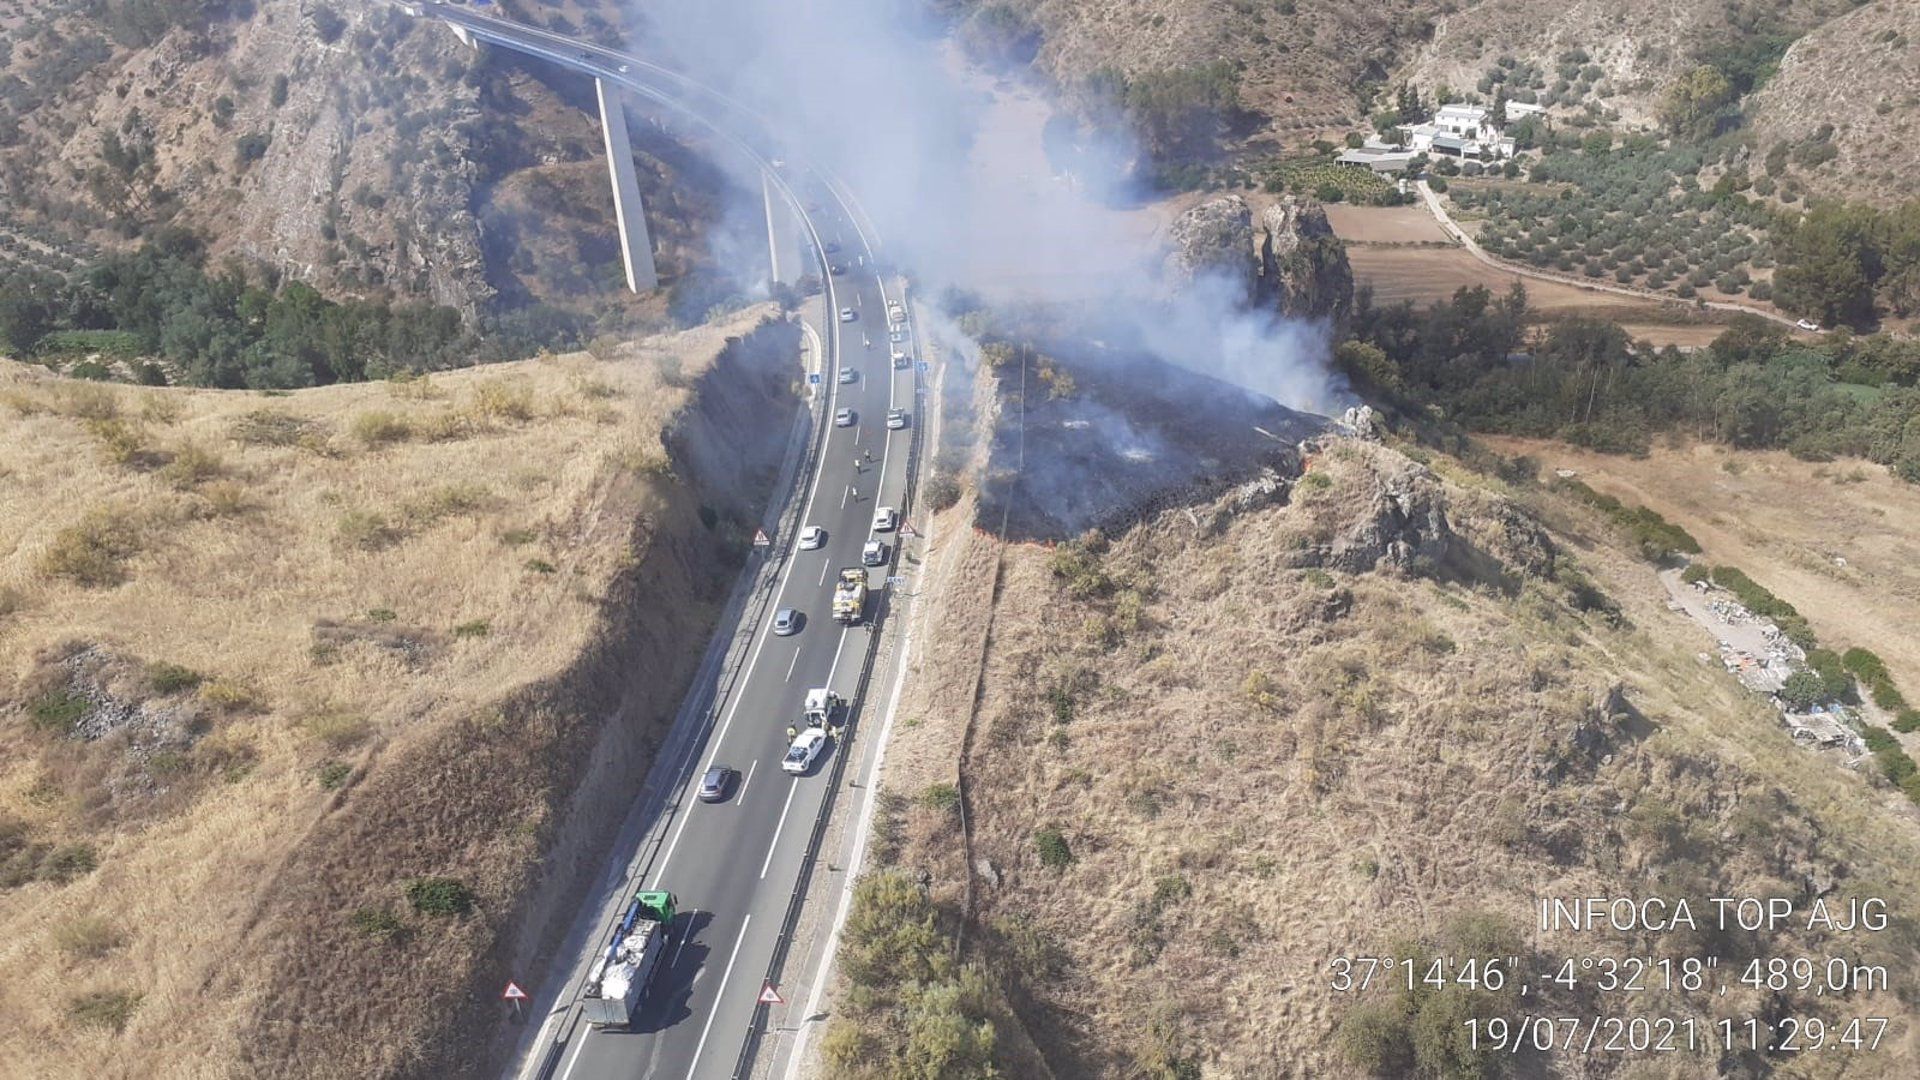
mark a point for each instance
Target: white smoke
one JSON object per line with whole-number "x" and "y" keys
{"x": 951, "y": 170}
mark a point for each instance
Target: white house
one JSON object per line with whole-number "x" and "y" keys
{"x": 1460, "y": 131}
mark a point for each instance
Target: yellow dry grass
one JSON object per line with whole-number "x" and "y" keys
{"x": 1304, "y": 764}
{"x": 508, "y": 498}
{"x": 1840, "y": 540}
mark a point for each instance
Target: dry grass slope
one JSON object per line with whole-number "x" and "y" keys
{"x": 1212, "y": 756}
{"x": 292, "y": 652}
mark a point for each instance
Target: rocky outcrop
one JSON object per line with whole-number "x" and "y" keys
{"x": 1213, "y": 240}
{"x": 1303, "y": 266}
{"x": 1394, "y": 513}
{"x": 1405, "y": 523}
{"x": 1295, "y": 266}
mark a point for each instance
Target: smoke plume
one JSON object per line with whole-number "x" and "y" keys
{"x": 951, "y": 169}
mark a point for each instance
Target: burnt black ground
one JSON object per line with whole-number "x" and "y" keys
{"x": 1135, "y": 436}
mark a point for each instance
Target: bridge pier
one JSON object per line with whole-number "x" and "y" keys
{"x": 636, "y": 247}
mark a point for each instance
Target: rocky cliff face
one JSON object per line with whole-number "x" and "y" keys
{"x": 346, "y": 145}
{"x": 1214, "y": 239}
{"x": 1295, "y": 265}
{"x": 1303, "y": 266}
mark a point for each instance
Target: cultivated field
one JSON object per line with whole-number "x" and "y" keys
{"x": 258, "y": 659}
{"x": 1393, "y": 250}
{"x": 1384, "y": 224}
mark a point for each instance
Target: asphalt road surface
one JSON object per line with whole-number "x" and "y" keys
{"x": 733, "y": 865}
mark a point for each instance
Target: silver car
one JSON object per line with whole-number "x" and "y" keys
{"x": 843, "y": 418}
{"x": 786, "y": 622}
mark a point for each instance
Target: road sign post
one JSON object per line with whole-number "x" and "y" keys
{"x": 514, "y": 994}
{"x": 769, "y": 995}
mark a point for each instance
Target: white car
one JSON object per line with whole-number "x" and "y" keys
{"x": 896, "y": 336}
{"x": 804, "y": 751}
{"x": 846, "y": 314}
{"x": 899, "y": 357}
{"x": 896, "y": 419}
{"x": 1808, "y": 325}
{"x": 848, "y": 375}
{"x": 843, "y": 418}
{"x": 886, "y": 519}
{"x": 812, "y": 537}
{"x": 874, "y": 553}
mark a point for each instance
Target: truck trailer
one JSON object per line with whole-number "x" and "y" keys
{"x": 618, "y": 981}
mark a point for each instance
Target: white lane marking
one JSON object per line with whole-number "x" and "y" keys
{"x": 843, "y": 496}
{"x": 737, "y": 799}
{"x": 825, "y": 566}
{"x": 573, "y": 1055}
{"x": 724, "y": 976}
{"x": 792, "y": 662}
{"x": 680, "y": 948}
{"x": 858, "y": 430}
{"x": 733, "y": 705}
{"x": 775, "y": 846}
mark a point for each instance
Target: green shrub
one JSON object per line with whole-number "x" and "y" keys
{"x": 942, "y": 796}
{"x": 377, "y": 923}
{"x": 69, "y": 862}
{"x": 439, "y": 896}
{"x": 1694, "y": 573}
{"x": 541, "y": 566}
{"x": 107, "y": 1009}
{"x": 478, "y": 628}
{"x": 1052, "y": 845}
{"x": 1907, "y": 722}
{"x": 333, "y": 774}
{"x": 1803, "y": 690}
{"x": 168, "y": 678}
{"x": 1755, "y": 598}
{"x": 1835, "y": 683}
{"x": 58, "y": 711}
{"x": 94, "y": 551}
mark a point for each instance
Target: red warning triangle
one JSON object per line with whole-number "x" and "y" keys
{"x": 760, "y": 538}
{"x": 770, "y": 996}
{"x": 513, "y": 992}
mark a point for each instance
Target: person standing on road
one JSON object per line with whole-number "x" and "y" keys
{"x": 792, "y": 733}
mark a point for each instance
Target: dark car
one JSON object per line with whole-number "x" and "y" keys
{"x": 717, "y": 784}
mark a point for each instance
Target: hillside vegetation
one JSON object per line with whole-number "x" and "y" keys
{"x": 346, "y": 146}
{"x": 299, "y": 691}
{"x": 1203, "y": 758}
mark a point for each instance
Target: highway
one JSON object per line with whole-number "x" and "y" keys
{"x": 734, "y": 865}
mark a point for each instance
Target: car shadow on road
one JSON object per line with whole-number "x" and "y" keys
{"x": 673, "y": 988}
